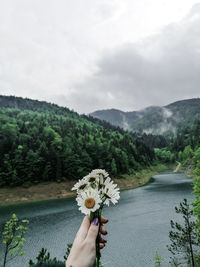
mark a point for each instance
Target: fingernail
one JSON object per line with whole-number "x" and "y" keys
{"x": 95, "y": 221}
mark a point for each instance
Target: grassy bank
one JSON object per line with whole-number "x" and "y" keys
{"x": 140, "y": 178}
{"x": 54, "y": 190}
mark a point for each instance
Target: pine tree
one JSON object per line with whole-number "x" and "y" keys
{"x": 183, "y": 237}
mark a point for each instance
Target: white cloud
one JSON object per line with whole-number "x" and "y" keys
{"x": 87, "y": 55}
{"x": 157, "y": 71}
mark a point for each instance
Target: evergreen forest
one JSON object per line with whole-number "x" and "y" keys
{"x": 44, "y": 142}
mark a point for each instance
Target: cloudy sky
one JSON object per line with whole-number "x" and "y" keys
{"x": 97, "y": 54}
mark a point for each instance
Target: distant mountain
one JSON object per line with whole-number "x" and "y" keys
{"x": 154, "y": 119}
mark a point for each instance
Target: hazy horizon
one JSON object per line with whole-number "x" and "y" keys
{"x": 51, "y": 102}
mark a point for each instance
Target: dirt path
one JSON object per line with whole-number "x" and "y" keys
{"x": 177, "y": 167}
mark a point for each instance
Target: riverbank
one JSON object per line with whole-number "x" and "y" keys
{"x": 54, "y": 190}
{"x": 188, "y": 170}
{"x": 140, "y": 178}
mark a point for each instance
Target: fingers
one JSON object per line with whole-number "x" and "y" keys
{"x": 93, "y": 230}
{"x": 102, "y": 240}
{"x": 102, "y": 227}
{"x": 101, "y": 245}
{"x": 103, "y": 220}
{"x": 90, "y": 231}
{"x": 83, "y": 230}
{"x": 103, "y": 230}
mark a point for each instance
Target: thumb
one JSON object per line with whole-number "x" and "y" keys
{"x": 93, "y": 230}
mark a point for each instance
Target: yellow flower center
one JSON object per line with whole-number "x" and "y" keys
{"x": 89, "y": 203}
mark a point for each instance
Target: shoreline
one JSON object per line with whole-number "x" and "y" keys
{"x": 54, "y": 190}
{"x": 184, "y": 169}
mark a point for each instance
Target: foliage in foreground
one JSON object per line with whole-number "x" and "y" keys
{"x": 196, "y": 204}
{"x": 158, "y": 260}
{"x": 50, "y": 263}
{"x": 183, "y": 237}
{"x": 44, "y": 260}
{"x": 184, "y": 240}
{"x": 13, "y": 238}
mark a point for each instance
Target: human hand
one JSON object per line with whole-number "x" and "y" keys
{"x": 83, "y": 251}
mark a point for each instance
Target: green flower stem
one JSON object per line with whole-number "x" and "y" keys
{"x": 97, "y": 214}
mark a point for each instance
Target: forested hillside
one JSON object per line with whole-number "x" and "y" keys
{"x": 44, "y": 142}
{"x": 156, "y": 120}
{"x": 186, "y": 147}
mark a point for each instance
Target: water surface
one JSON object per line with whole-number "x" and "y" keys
{"x": 137, "y": 226}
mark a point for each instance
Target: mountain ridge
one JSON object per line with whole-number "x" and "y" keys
{"x": 154, "y": 119}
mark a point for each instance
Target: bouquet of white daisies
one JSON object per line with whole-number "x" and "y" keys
{"x": 93, "y": 192}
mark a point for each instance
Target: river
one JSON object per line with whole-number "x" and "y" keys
{"x": 138, "y": 224}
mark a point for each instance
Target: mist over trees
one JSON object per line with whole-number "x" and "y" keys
{"x": 165, "y": 121}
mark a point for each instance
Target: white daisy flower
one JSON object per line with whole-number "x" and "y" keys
{"x": 89, "y": 201}
{"x": 93, "y": 180}
{"x": 80, "y": 185}
{"x": 101, "y": 173}
{"x": 111, "y": 193}
{"x": 108, "y": 182}
{"x": 95, "y": 190}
